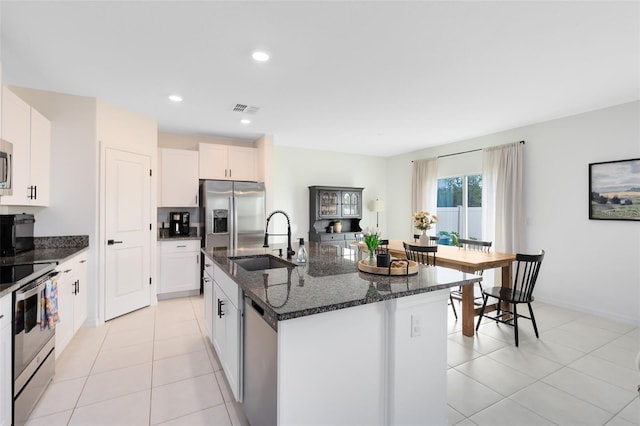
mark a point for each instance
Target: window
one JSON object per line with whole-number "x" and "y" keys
{"x": 460, "y": 206}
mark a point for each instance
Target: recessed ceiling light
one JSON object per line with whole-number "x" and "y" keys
{"x": 175, "y": 98}
{"x": 245, "y": 121}
{"x": 260, "y": 56}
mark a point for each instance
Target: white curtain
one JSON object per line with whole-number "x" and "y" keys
{"x": 424, "y": 188}
{"x": 502, "y": 197}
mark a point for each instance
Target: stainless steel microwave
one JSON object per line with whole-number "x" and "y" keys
{"x": 6, "y": 167}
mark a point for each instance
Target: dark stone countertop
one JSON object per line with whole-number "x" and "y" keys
{"x": 329, "y": 281}
{"x": 47, "y": 250}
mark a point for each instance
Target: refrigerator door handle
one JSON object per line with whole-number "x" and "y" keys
{"x": 233, "y": 238}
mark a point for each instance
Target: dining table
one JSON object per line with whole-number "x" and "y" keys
{"x": 465, "y": 260}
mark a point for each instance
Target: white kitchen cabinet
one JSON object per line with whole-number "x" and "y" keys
{"x": 30, "y": 133}
{"x": 227, "y": 328}
{"x": 66, "y": 290}
{"x": 72, "y": 299}
{"x": 207, "y": 289}
{"x": 6, "y": 376}
{"x": 179, "y": 268}
{"x": 80, "y": 296}
{"x": 178, "y": 178}
{"x": 228, "y": 162}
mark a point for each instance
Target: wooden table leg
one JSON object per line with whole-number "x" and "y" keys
{"x": 468, "y": 310}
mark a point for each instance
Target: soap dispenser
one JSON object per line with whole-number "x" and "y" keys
{"x": 302, "y": 252}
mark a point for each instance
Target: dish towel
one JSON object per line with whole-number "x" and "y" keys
{"x": 49, "y": 304}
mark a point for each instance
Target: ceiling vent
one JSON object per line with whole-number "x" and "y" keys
{"x": 246, "y": 109}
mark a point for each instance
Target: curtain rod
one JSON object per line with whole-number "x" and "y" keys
{"x": 464, "y": 152}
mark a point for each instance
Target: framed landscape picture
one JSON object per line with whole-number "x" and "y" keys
{"x": 614, "y": 190}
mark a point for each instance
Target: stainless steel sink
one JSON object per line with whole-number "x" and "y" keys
{"x": 261, "y": 262}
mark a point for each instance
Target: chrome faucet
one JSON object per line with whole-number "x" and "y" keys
{"x": 290, "y": 251}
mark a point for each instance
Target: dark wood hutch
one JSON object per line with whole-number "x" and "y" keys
{"x": 329, "y": 204}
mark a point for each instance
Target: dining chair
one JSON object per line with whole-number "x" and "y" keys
{"x": 477, "y": 245}
{"x": 527, "y": 267}
{"x": 433, "y": 239}
{"x": 421, "y": 254}
{"x": 383, "y": 247}
{"x": 427, "y": 256}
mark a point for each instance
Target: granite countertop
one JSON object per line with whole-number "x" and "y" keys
{"x": 329, "y": 281}
{"x": 47, "y": 250}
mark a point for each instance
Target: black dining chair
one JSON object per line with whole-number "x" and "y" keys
{"x": 527, "y": 267}
{"x": 477, "y": 245}
{"x": 421, "y": 254}
{"x": 427, "y": 256}
{"x": 383, "y": 247}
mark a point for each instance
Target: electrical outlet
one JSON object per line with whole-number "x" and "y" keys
{"x": 416, "y": 326}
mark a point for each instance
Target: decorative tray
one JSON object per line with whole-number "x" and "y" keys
{"x": 397, "y": 267}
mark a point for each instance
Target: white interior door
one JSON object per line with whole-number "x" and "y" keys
{"x": 128, "y": 234}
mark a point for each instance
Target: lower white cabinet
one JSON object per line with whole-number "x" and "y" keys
{"x": 6, "y": 378}
{"x": 179, "y": 268}
{"x": 227, "y": 328}
{"x": 72, "y": 299}
{"x": 207, "y": 289}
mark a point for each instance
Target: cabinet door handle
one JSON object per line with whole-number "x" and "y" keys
{"x": 207, "y": 265}
{"x": 180, "y": 246}
{"x": 112, "y": 242}
{"x": 220, "y": 305}
{"x": 1, "y": 316}
{"x": 35, "y": 192}
{"x": 67, "y": 271}
{"x": 83, "y": 260}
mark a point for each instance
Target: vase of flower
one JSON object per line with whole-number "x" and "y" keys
{"x": 424, "y": 238}
{"x": 423, "y": 221}
{"x": 372, "y": 240}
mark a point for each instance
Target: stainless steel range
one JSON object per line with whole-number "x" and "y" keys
{"x": 33, "y": 345}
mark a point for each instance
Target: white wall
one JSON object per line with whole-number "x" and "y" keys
{"x": 191, "y": 142}
{"x": 592, "y": 266}
{"x": 296, "y": 169}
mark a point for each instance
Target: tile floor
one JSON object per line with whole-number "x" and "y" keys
{"x": 154, "y": 367}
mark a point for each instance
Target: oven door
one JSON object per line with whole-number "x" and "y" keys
{"x": 29, "y": 338}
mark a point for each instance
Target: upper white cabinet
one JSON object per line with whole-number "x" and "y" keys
{"x": 178, "y": 178}
{"x": 227, "y": 162}
{"x": 30, "y": 133}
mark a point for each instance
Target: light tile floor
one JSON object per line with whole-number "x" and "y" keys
{"x": 154, "y": 367}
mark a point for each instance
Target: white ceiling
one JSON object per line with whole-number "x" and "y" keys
{"x": 380, "y": 78}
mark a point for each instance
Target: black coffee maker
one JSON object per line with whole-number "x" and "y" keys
{"x": 179, "y": 223}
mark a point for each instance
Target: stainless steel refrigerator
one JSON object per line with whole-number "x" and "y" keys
{"x": 234, "y": 214}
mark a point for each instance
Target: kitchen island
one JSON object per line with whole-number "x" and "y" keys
{"x": 352, "y": 347}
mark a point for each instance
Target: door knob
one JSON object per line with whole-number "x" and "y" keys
{"x": 112, "y": 242}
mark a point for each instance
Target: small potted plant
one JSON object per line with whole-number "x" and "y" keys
{"x": 372, "y": 240}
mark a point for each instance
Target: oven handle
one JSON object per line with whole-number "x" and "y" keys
{"x": 26, "y": 293}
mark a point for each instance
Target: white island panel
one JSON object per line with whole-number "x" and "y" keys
{"x": 363, "y": 365}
